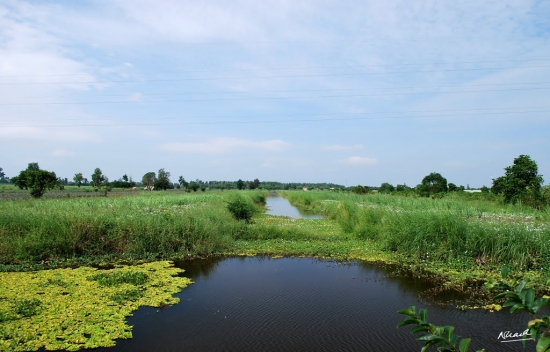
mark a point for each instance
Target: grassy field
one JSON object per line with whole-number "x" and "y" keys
{"x": 457, "y": 233}
{"x": 457, "y": 242}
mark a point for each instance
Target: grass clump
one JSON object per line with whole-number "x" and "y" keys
{"x": 117, "y": 278}
{"x": 27, "y": 307}
{"x": 132, "y": 294}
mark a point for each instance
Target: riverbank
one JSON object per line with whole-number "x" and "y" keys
{"x": 455, "y": 245}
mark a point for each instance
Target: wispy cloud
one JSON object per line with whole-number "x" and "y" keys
{"x": 223, "y": 145}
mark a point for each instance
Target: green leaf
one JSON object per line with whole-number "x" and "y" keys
{"x": 520, "y": 287}
{"x": 431, "y": 337}
{"x": 408, "y": 321}
{"x": 423, "y": 315}
{"x": 428, "y": 345}
{"x": 543, "y": 344}
{"x": 539, "y": 303}
{"x": 411, "y": 311}
{"x": 419, "y": 328}
{"x": 464, "y": 345}
{"x": 527, "y": 297}
{"x": 505, "y": 271}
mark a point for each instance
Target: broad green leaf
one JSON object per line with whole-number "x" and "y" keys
{"x": 543, "y": 344}
{"x": 428, "y": 345}
{"x": 408, "y": 321}
{"x": 464, "y": 345}
{"x": 411, "y": 311}
{"x": 505, "y": 271}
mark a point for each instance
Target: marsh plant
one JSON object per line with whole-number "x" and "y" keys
{"x": 517, "y": 297}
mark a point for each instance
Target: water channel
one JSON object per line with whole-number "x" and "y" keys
{"x": 302, "y": 304}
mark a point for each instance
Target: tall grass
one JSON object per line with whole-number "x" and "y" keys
{"x": 159, "y": 224}
{"x": 441, "y": 229}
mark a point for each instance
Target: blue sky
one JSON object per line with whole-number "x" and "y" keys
{"x": 350, "y": 92}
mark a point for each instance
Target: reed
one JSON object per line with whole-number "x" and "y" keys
{"x": 151, "y": 224}
{"x": 474, "y": 230}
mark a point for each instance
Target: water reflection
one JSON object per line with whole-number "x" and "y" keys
{"x": 280, "y": 206}
{"x": 291, "y": 304}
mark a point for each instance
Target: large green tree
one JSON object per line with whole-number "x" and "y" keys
{"x": 163, "y": 180}
{"x": 521, "y": 182}
{"x": 240, "y": 184}
{"x": 78, "y": 178}
{"x": 100, "y": 181}
{"x": 38, "y": 181}
{"x": 148, "y": 179}
{"x": 386, "y": 188}
{"x": 432, "y": 184}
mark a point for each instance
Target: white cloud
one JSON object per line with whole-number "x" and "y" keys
{"x": 223, "y": 145}
{"x": 360, "y": 160}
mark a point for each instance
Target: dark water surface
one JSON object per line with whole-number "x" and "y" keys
{"x": 301, "y": 304}
{"x": 281, "y": 207}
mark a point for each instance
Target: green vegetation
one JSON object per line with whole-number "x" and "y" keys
{"x": 521, "y": 183}
{"x": 517, "y": 296}
{"x": 441, "y": 230}
{"x": 38, "y": 181}
{"x": 242, "y": 208}
{"x": 71, "y": 312}
{"x": 455, "y": 239}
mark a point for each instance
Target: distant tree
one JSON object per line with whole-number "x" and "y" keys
{"x": 461, "y": 188}
{"x": 148, "y": 179}
{"x": 360, "y": 189}
{"x": 33, "y": 167}
{"x": 452, "y": 187}
{"x": 163, "y": 180}
{"x": 432, "y": 184}
{"x": 402, "y": 188}
{"x": 386, "y": 188}
{"x": 2, "y": 176}
{"x": 78, "y": 178}
{"x": 484, "y": 189}
{"x": 182, "y": 182}
{"x": 100, "y": 182}
{"x": 38, "y": 181}
{"x": 194, "y": 186}
{"x": 125, "y": 178}
{"x": 521, "y": 182}
{"x": 256, "y": 183}
{"x": 240, "y": 184}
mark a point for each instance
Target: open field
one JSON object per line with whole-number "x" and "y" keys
{"x": 462, "y": 234}
{"x": 458, "y": 244}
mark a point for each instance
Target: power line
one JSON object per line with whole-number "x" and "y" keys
{"x": 270, "y": 98}
{"x": 328, "y": 114}
{"x": 279, "y": 121}
{"x": 284, "y": 68}
{"x": 266, "y": 77}
{"x": 288, "y": 91}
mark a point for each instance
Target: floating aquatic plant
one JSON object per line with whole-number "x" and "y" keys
{"x": 79, "y": 308}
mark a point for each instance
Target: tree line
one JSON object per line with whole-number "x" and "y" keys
{"x": 520, "y": 183}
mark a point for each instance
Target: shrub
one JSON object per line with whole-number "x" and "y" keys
{"x": 241, "y": 208}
